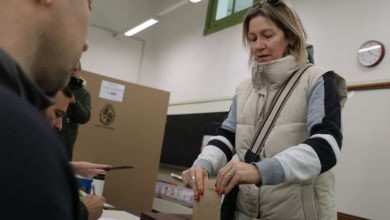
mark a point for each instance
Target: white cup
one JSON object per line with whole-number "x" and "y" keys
{"x": 98, "y": 181}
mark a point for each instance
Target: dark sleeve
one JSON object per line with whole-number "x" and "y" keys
{"x": 83, "y": 214}
{"x": 324, "y": 121}
{"x": 82, "y": 109}
{"x": 38, "y": 182}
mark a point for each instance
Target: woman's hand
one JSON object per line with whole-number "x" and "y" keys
{"x": 195, "y": 177}
{"x": 88, "y": 170}
{"x": 236, "y": 173}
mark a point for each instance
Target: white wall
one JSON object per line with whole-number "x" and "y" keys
{"x": 191, "y": 66}
{"x": 149, "y": 69}
{"x": 338, "y": 29}
{"x": 119, "y": 59}
{"x": 202, "y": 106}
{"x": 179, "y": 59}
{"x": 194, "y": 67}
{"x": 362, "y": 180}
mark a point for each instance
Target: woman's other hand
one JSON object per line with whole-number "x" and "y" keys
{"x": 236, "y": 173}
{"x": 194, "y": 178}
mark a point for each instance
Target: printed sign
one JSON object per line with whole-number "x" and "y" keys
{"x": 112, "y": 91}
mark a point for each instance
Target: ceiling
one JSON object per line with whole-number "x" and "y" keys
{"x": 121, "y": 15}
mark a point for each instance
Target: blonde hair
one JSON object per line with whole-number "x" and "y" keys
{"x": 284, "y": 17}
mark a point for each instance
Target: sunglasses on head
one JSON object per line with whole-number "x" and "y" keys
{"x": 271, "y": 2}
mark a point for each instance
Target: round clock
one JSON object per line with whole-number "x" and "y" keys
{"x": 371, "y": 53}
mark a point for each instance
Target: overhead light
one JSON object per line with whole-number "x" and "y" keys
{"x": 195, "y": 1}
{"x": 141, "y": 27}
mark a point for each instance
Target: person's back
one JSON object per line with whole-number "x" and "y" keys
{"x": 38, "y": 182}
{"x": 36, "y": 61}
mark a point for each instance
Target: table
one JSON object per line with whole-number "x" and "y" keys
{"x": 123, "y": 215}
{"x": 164, "y": 216}
{"x": 119, "y": 214}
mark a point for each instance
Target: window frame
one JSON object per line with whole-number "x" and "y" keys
{"x": 213, "y": 26}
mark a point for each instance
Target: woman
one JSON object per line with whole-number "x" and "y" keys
{"x": 293, "y": 179}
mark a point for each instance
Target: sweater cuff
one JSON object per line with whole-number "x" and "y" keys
{"x": 83, "y": 214}
{"x": 271, "y": 171}
{"x": 207, "y": 165}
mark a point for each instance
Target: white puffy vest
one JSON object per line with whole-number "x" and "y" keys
{"x": 310, "y": 200}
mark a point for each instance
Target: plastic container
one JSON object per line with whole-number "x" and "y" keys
{"x": 98, "y": 181}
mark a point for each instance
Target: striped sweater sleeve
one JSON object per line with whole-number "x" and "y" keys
{"x": 221, "y": 146}
{"x": 321, "y": 151}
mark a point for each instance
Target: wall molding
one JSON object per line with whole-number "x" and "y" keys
{"x": 369, "y": 86}
{"x": 228, "y": 98}
{"x": 343, "y": 216}
{"x": 356, "y": 86}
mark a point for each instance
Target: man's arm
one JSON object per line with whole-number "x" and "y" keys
{"x": 82, "y": 109}
{"x": 83, "y": 214}
{"x": 92, "y": 207}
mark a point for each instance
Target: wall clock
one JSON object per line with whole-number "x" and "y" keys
{"x": 371, "y": 53}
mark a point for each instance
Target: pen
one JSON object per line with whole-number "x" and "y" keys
{"x": 93, "y": 188}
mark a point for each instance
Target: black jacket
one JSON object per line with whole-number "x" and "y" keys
{"x": 78, "y": 113}
{"x": 37, "y": 182}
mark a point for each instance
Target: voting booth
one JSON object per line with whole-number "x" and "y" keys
{"x": 126, "y": 129}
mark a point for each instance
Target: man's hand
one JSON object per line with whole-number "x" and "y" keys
{"x": 94, "y": 205}
{"x": 72, "y": 100}
{"x": 88, "y": 170}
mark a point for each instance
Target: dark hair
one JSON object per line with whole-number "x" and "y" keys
{"x": 68, "y": 93}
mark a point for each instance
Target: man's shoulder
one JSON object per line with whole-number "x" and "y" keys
{"x": 25, "y": 131}
{"x": 30, "y": 144}
{"x": 19, "y": 117}
{"x": 12, "y": 103}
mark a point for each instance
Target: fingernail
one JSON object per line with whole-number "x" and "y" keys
{"x": 215, "y": 185}
{"x": 196, "y": 197}
{"x": 219, "y": 191}
{"x": 200, "y": 191}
